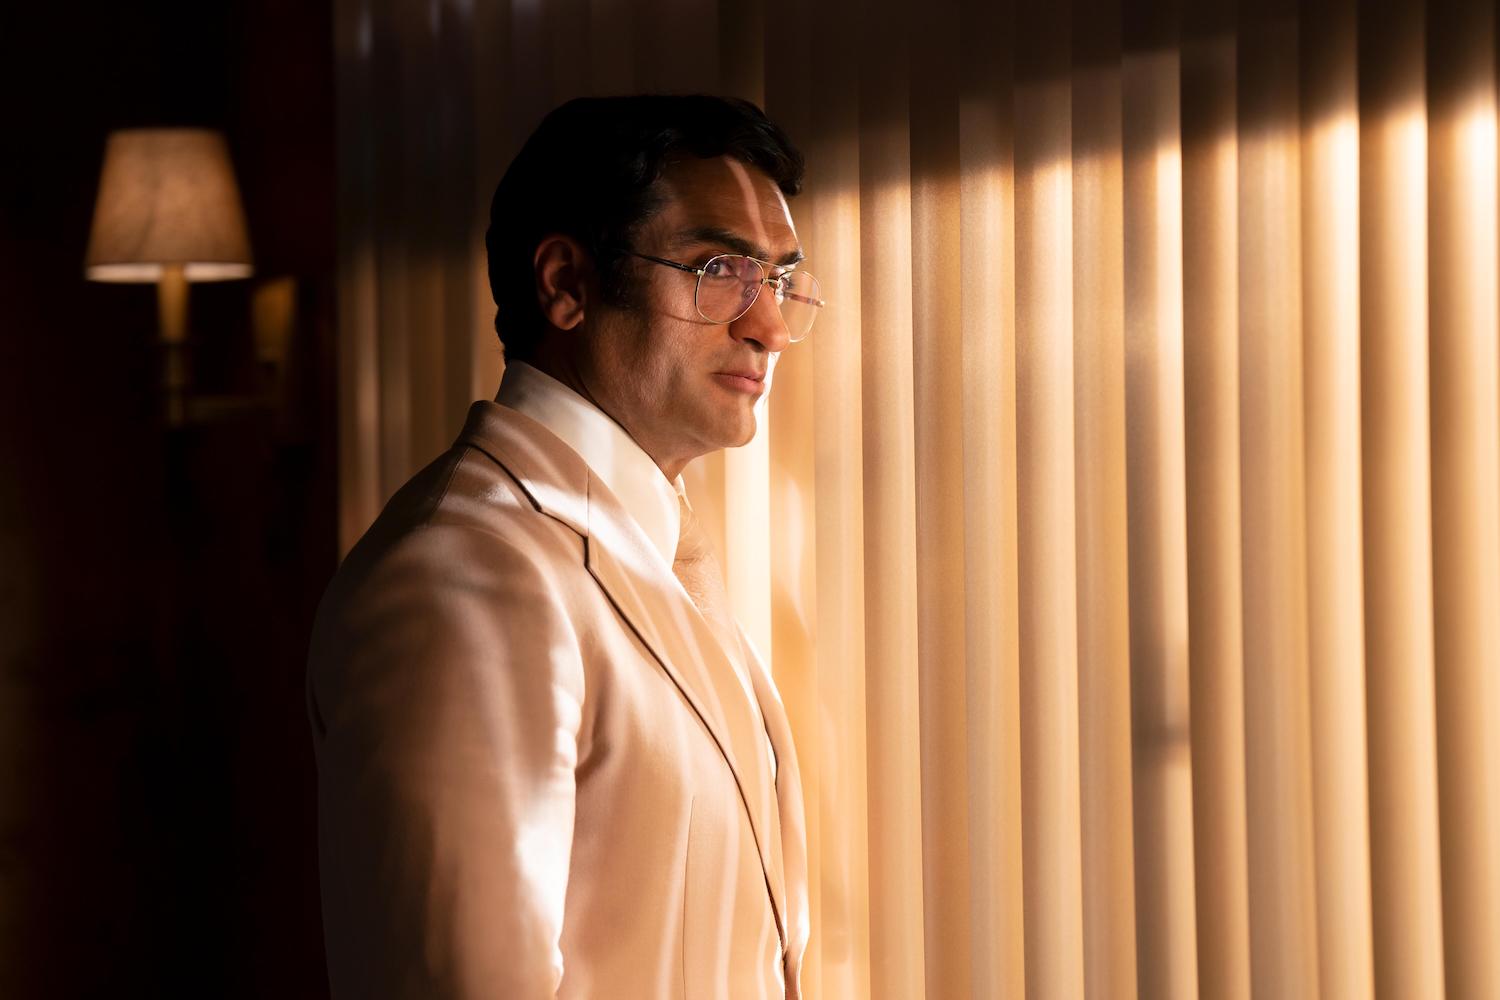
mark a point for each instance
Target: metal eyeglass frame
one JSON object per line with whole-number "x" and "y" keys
{"x": 765, "y": 279}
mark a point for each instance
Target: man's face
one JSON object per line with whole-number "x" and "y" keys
{"x": 680, "y": 384}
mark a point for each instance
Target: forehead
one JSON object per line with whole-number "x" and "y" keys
{"x": 723, "y": 193}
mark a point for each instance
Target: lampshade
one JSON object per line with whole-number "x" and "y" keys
{"x": 167, "y": 196}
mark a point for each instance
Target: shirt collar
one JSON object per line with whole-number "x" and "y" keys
{"x": 612, "y": 454}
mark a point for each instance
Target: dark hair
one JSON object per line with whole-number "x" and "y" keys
{"x": 589, "y": 170}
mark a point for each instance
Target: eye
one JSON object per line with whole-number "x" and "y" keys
{"x": 719, "y": 267}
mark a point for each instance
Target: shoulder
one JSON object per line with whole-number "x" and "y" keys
{"x": 459, "y": 565}
{"x": 460, "y": 521}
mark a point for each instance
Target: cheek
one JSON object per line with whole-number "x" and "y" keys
{"x": 660, "y": 368}
{"x": 670, "y": 299}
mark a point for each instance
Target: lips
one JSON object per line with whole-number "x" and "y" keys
{"x": 745, "y": 380}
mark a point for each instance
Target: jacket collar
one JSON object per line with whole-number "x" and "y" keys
{"x": 560, "y": 484}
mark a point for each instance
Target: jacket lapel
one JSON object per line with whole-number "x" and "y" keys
{"x": 793, "y": 820}
{"x": 632, "y": 573}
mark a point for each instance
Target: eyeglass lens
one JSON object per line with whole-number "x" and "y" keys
{"x": 730, "y": 283}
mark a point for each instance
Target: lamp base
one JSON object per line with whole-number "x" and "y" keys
{"x": 171, "y": 308}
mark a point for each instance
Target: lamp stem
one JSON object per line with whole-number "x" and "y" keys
{"x": 171, "y": 303}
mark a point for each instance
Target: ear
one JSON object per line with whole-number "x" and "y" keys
{"x": 563, "y": 271}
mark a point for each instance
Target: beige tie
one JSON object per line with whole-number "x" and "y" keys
{"x": 699, "y": 573}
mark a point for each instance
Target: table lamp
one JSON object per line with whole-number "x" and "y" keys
{"x": 168, "y": 212}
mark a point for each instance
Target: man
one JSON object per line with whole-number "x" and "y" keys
{"x": 550, "y": 763}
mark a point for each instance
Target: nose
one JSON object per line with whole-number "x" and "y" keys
{"x": 762, "y": 324}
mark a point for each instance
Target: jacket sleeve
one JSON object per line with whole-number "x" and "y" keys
{"x": 445, "y": 688}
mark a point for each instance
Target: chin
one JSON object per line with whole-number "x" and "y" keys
{"x": 740, "y": 433}
{"x": 717, "y": 426}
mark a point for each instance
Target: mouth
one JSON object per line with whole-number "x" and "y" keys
{"x": 746, "y": 380}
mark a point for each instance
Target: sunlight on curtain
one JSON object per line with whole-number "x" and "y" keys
{"x": 1126, "y": 538}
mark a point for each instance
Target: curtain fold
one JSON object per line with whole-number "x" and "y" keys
{"x": 1106, "y": 783}
{"x": 1125, "y": 539}
{"x": 991, "y": 597}
{"x": 1462, "y": 207}
{"x": 1335, "y": 565}
{"x": 893, "y": 760}
{"x": 937, "y": 338}
{"x": 1211, "y": 434}
{"x": 1283, "y": 932}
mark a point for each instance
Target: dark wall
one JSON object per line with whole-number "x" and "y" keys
{"x": 157, "y": 825}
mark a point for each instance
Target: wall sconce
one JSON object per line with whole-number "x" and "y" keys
{"x": 168, "y": 212}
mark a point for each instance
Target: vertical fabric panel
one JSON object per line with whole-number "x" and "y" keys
{"x": 891, "y": 689}
{"x": 1045, "y": 507}
{"x": 1160, "y": 696}
{"x": 1108, "y": 864}
{"x": 843, "y": 938}
{"x": 1331, "y": 395}
{"x": 991, "y": 601}
{"x": 744, "y": 53}
{"x": 392, "y": 258}
{"x": 411, "y": 369}
{"x": 1278, "y": 779}
{"x": 528, "y": 71}
{"x": 676, "y": 44}
{"x": 467, "y": 323}
{"x": 444, "y": 216}
{"x": 1397, "y": 503}
{"x": 1210, "y": 243}
{"x": 611, "y": 47}
{"x": 570, "y": 46}
{"x": 491, "y": 151}
{"x": 360, "y": 437}
{"x": 1466, "y": 488}
{"x": 831, "y": 221}
{"x": 937, "y": 339}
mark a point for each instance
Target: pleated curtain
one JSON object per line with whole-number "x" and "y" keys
{"x": 1125, "y": 539}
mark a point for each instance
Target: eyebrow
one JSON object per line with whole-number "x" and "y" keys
{"x": 720, "y": 236}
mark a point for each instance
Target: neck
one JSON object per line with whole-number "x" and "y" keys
{"x": 564, "y": 368}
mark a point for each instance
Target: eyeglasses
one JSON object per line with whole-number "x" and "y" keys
{"x": 729, "y": 284}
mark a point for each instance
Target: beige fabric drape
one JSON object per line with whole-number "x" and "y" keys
{"x": 1126, "y": 537}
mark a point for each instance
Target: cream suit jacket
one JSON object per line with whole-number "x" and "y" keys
{"x": 531, "y": 780}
